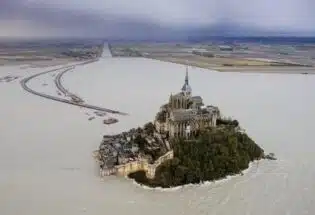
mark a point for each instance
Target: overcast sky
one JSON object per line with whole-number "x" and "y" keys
{"x": 106, "y": 18}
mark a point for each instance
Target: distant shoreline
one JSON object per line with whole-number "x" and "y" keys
{"x": 248, "y": 69}
{"x": 268, "y": 69}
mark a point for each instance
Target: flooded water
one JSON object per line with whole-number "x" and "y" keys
{"x": 46, "y": 147}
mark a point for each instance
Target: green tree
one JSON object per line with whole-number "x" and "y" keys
{"x": 214, "y": 154}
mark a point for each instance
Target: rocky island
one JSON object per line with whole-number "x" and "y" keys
{"x": 188, "y": 142}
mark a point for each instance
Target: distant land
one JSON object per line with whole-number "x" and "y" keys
{"x": 228, "y": 39}
{"x": 220, "y": 53}
{"x": 229, "y": 54}
{"x": 188, "y": 39}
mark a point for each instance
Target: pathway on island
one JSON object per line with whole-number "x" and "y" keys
{"x": 64, "y": 91}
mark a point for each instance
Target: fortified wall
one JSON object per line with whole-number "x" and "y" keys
{"x": 134, "y": 166}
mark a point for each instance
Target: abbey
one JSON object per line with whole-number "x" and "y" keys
{"x": 184, "y": 114}
{"x": 144, "y": 149}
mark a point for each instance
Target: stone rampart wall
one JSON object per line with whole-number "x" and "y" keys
{"x": 134, "y": 166}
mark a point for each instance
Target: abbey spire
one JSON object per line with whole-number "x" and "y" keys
{"x": 186, "y": 89}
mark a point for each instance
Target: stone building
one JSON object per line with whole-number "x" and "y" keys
{"x": 185, "y": 114}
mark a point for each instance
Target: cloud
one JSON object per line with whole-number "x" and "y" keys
{"x": 122, "y": 18}
{"x": 24, "y": 28}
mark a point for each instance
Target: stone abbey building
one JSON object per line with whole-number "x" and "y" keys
{"x": 185, "y": 114}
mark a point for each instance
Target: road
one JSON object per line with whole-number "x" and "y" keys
{"x": 64, "y": 90}
{"x": 64, "y": 69}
